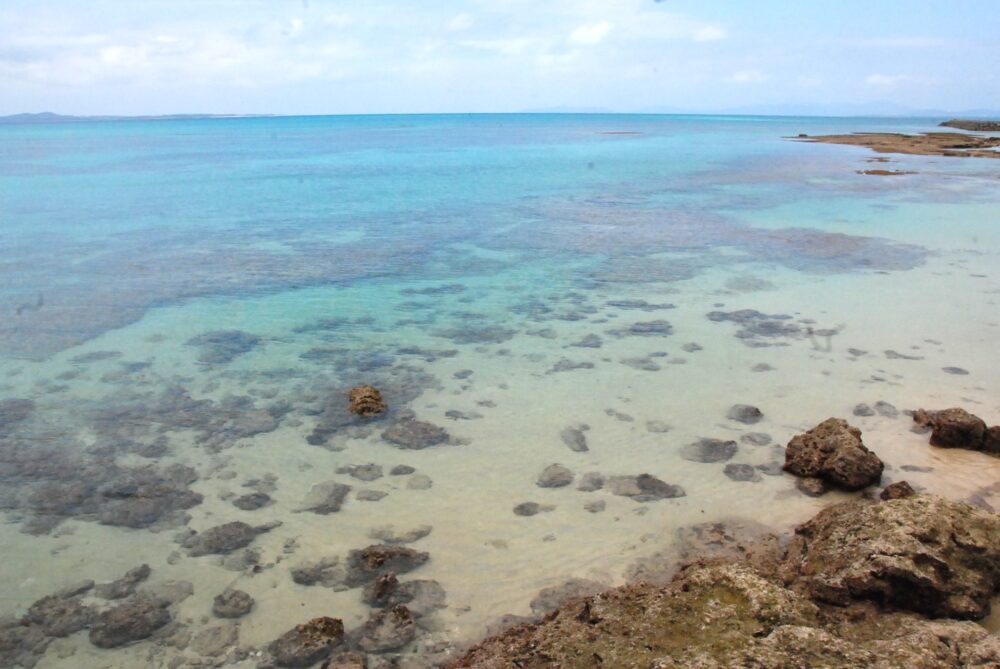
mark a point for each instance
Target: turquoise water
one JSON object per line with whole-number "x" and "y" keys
{"x": 504, "y": 277}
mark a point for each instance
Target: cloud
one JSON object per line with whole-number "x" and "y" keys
{"x": 887, "y": 79}
{"x": 748, "y": 77}
{"x": 709, "y": 34}
{"x": 590, "y": 34}
{"x": 461, "y": 22}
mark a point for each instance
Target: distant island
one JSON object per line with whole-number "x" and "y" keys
{"x": 976, "y": 125}
{"x": 51, "y": 118}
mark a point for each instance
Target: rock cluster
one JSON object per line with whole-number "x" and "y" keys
{"x": 957, "y": 428}
{"x": 850, "y": 592}
{"x": 308, "y": 643}
{"x": 833, "y": 451}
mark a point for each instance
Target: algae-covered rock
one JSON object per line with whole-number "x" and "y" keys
{"x": 366, "y": 401}
{"x": 920, "y": 553}
{"x": 834, "y": 452}
{"x": 308, "y": 643}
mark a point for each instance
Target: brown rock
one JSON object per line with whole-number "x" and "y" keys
{"x": 922, "y": 553}
{"x": 811, "y": 486}
{"x": 388, "y": 629}
{"x": 897, "y": 490}
{"x": 953, "y": 428}
{"x": 308, "y": 643}
{"x": 833, "y": 451}
{"x": 366, "y": 401}
{"x": 991, "y": 444}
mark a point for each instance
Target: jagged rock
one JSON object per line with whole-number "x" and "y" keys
{"x": 232, "y": 604}
{"x": 551, "y": 598}
{"x": 225, "y": 538}
{"x": 415, "y": 434}
{"x": 58, "y": 616}
{"x": 554, "y": 476}
{"x": 575, "y": 438}
{"x": 124, "y": 586}
{"x": 897, "y": 490}
{"x": 387, "y": 630}
{"x": 252, "y": 501}
{"x": 420, "y": 596}
{"x": 643, "y": 488}
{"x": 709, "y": 450}
{"x": 833, "y": 451}
{"x": 744, "y": 413}
{"x": 921, "y": 553}
{"x": 325, "y": 498}
{"x": 308, "y": 643}
{"x": 366, "y": 401}
{"x": 953, "y": 428}
{"x": 132, "y": 620}
{"x": 367, "y": 564}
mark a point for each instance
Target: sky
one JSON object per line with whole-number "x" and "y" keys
{"x": 392, "y": 56}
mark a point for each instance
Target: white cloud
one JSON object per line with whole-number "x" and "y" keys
{"x": 591, "y": 34}
{"x": 338, "y": 20}
{"x": 510, "y": 47}
{"x": 461, "y": 22}
{"x": 709, "y": 34}
{"x": 886, "y": 79}
{"x": 748, "y": 77}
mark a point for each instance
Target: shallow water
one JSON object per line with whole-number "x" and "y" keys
{"x": 488, "y": 273}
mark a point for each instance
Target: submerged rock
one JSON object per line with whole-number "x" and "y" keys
{"x": 367, "y": 564}
{"x": 387, "y": 630}
{"x": 325, "y": 498}
{"x": 133, "y": 620}
{"x": 252, "y": 501}
{"x": 741, "y": 472}
{"x": 744, "y": 413}
{"x": 124, "y": 586}
{"x": 60, "y": 616}
{"x": 921, "y": 553}
{"x": 554, "y": 476}
{"x": 224, "y": 538}
{"x": 709, "y": 450}
{"x": 833, "y": 451}
{"x": 369, "y": 472}
{"x": 366, "y": 401}
{"x": 308, "y": 643}
{"x": 232, "y": 604}
{"x": 643, "y": 488}
{"x": 224, "y": 346}
{"x": 532, "y": 508}
{"x": 415, "y": 434}
{"x": 575, "y": 439}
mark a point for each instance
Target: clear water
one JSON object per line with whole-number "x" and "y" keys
{"x": 456, "y": 262}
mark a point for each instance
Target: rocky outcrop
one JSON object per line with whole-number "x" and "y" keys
{"x": 975, "y": 125}
{"x": 232, "y": 604}
{"x": 132, "y": 620}
{"x": 225, "y": 538}
{"x": 920, "y": 553}
{"x": 723, "y": 615}
{"x": 415, "y": 434}
{"x": 308, "y": 643}
{"x": 833, "y": 451}
{"x": 957, "y": 428}
{"x": 366, "y": 401}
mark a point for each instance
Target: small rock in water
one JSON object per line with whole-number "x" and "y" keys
{"x": 756, "y": 439}
{"x": 419, "y": 482}
{"x": 308, "y": 643}
{"x": 232, "y": 604}
{"x": 955, "y": 370}
{"x": 811, "y": 486}
{"x": 886, "y": 410}
{"x": 863, "y": 410}
{"x": 643, "y": 488}
{"x": 252, "y": 501}
{"x": 415, "y": 434}
{"x": 124, "y": 586}
{"x": 567, "y": 365}
{"x": 325, "y": 498}
{"x": 132, "y": 620}
{"x": 657, "y": 426}
{"x": 367, "y": 564}
{"x": 762, "y": 367}
{"x": 58, "y": 616}
{"x": 366, "y": 401}
{"x": 214, "y": 640}
{"x": 741, "y": 472}
{"x": 554, "y": 476}
{"x": 897, "y": 490}
{"x": 744, "y": 413}
{"x": 575, "y": 438}
{"x": 531, "y": 508}
{"x": 595, "y": 506}
{"x": 590, "y": 341}
{"x": 390, "y": 535}
{"x": 224, "y": 538}
{"x": 591, "y": 481}
{"x": 692, "y": 347}
{"x": 370, "y": 495}
{"x": 709, "y": 450}
{"x": 223, "y": 346}
{"x": 369, "y": 472}
{"x": 401, "y": 470}
{"x": 387, "y": 630}
{"x": 956, "y": 428}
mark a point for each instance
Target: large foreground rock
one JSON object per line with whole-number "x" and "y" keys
{"x": 920, "y": 553}
{"x": 834, "y": 452}
{"x": 716, "y": 617}
{"x": 957, "y": 428}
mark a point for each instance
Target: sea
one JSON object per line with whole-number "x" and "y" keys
{"x": 552, "y": 306}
